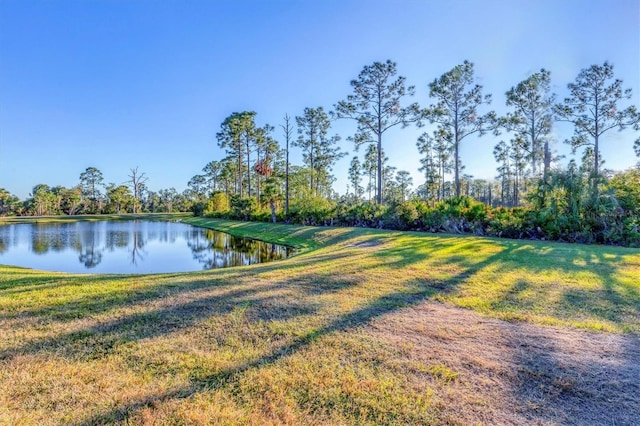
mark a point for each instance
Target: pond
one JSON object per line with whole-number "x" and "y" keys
{"x": 129, "y": 247}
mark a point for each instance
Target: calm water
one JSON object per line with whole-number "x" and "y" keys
{"x": 125, "y": 247}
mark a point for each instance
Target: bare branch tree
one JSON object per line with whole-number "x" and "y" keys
{"x": 137, "y": 181}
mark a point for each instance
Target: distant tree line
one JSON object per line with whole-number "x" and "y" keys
{"x": 92, "y": 196}
{"x": 531, "y": 196}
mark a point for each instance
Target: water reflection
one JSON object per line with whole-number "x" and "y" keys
{"x": 137, "y": 248}
{"x": 88, "y": 245}
{"x": 219, "y": 250}
{"x": 129, "y": 247}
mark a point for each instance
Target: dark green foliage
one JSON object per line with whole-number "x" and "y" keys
{"x": 237, "y": 136}
{"x": 567, "y": 210}
{"x": 312, "y": 211}
{"x": 401, "y": 216}
{"x": 509, "y": 223}
{"x": 120, "y": 199}
{"x": 242, "y": 207}
{"x": 9, "y": 203}
{"x": 91, "y": 181}
{"x": 626, "y": 187}
{"x": 461, "y": 214}
{"x": 198, "y": 208}
{"x": 360, "y": 214}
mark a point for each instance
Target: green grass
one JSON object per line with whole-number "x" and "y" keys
{"x": 288, "y": 342}
{"x": 592, "y": 287}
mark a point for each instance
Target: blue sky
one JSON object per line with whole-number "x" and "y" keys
{"x": 118, "y": 84}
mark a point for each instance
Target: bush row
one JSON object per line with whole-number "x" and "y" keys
{"x": 600, "y": 221}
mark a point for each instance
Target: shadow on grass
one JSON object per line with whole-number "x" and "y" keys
{"x": 100, "y": 340}
{"x": 446, "y": 250}
{"x": 161, "y": 286}
{"x": 349, "y": 321}
{"x": 606, "y": 296}
{"x": 25, "y": 284}
{"x": 584, "y": 379}
{"x": 464, "y": 257}
{"x": 233, "y": 290}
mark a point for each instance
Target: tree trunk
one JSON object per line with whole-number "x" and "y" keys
{"x": 239, "y": 175}
{"x": 457, "y": 169}
{"x": 596, "y": 168}
{"x": 547, "y": 163}
{"x": 456, "y": 160}
{"x": 379, "y": 134}
{"x": 248, "y": 167}
{"x": 311, "y": 173}
{"x": 534, "y": 147}
{"x": 286, "y": 182}
{"x": 272, "y": 205}
{"x": 596, "y": 153}
{"x": 379, "y": 195}
{"x": 258, "y": 182}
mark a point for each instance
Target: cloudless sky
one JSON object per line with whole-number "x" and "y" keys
{"x": 116, "y": 84}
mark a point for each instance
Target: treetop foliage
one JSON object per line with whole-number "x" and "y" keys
{"x": 457, "y": 101}
{"x": 532, "y": 117}
{"x": 375, "y": 106}
{"x": 375, "y": 103}
{"x": 593, "y": 108}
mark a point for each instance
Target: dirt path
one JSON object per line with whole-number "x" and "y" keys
{"x": 516, "y": 373}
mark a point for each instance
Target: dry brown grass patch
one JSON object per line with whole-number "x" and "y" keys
{"x": 516, "y": 373}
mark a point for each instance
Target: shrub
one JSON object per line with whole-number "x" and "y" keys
{"x": 508, "y": 223}
{"x": 242, "y": 208}
{"x": 312, "y": 210}
{"x": 217, "y": 205}
{"x": 369, "y": 215}
{"x": 401, "y": 216}
{"x": 261, "y": 215}
{"x": 198, "y": 208}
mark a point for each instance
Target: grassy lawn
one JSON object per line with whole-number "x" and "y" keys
{"x": 334, "y": 335}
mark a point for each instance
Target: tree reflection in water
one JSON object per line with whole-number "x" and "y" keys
{"x": 220, "y": 250}
{"x": 129, "y": 247}
{"x": 90, "y": 250}
{"x": 91, "y": 257}
{"x": 137, "y": 249}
